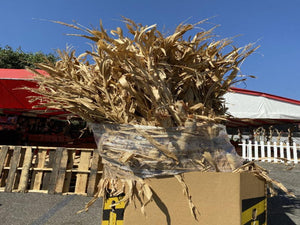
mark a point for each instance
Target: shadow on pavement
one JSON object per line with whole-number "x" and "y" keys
{"x": 280, "y": 206}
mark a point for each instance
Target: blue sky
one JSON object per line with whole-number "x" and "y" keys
{"x": 274, "y": 25}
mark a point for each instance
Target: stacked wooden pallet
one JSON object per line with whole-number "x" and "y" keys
{"x": 49, "y": 170}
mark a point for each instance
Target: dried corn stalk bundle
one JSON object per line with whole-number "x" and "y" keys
{"x": 148, "y": 79}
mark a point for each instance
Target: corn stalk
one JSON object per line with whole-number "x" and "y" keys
{"x": 147, "y": 78}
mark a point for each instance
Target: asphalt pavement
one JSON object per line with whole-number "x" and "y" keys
{"x": 44, "y": 209}
{"x": 283, "y": 209}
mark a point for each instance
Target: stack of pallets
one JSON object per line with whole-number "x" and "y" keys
{"x": 49, "y": 170}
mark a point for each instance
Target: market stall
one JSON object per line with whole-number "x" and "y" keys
{"x": 22, "y": 124}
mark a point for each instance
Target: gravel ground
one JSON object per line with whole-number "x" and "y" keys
{"x": 43, "y": 209}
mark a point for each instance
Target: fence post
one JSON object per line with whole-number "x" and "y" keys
{"x": 295, "y": 153}
{"x": 255, "y": 150}
{"x": 281, "y": 152}
{"x": 275, "y": 152}
{"x": 262, "y": 150}
{"x": 288, "y": 152}
{"x": 244, "y": 149}
{"x": 249, "y": 151}
{"x": 269, "y": 151}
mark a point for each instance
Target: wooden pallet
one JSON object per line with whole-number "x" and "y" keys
{"x": 49, "y": 170}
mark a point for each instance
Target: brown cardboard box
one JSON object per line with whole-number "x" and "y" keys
{"x": 221, "y": 198}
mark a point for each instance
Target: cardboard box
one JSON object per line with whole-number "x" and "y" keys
{"x": 221, "y": 198}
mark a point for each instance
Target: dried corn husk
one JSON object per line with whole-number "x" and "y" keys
{"x": 146, "y": 79}
{"x": 262, "y": 173}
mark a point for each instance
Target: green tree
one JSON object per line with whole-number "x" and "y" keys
{"x": 17, "y": 59}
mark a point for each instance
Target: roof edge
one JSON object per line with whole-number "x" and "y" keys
{"x": 18, "y": 74}
{"x": 262, "y": 94}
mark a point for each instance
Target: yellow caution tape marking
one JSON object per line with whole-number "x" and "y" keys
{"x": 113, "y": 211}
{"x": 254, "y": 211}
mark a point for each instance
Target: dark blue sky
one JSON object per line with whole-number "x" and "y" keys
{"x": 274, "y": 25}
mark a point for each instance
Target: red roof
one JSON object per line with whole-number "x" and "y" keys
{"x": 17, "y": 74}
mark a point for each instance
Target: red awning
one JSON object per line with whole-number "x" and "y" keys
{"x": 14, "y": 100}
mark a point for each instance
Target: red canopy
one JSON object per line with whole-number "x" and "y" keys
{"x": 10, "y": 82}
{"x": 15, "y": 100}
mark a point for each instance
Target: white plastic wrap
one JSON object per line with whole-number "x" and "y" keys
{"x": 147, "y": 151}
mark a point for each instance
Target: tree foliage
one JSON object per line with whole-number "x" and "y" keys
{"x": 17, "y": 59}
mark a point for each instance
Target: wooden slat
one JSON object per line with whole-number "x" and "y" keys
{"x": 18, "y": 172}
{"x": 54, "y": 174}
{"x": 6, "y": 164}
{"x": 13, "y": 167}
{"x": 48, "y": 170}
{"x": 100, "y": 170}
{"x": 38, "y": 191}
{"x": 71, "y": 155}
{"x": 22, "y": 157}
{"x": 62, "y": 172}
{"x": 33, "y": 169}
{"x": 3, "y": 153}
{"x": 68, "y": 149}
{"x": 81, "y": 180}
{"x": 25, "y": 170}
{"x": 38, "y": 175}
{"x": 93, "y": 175}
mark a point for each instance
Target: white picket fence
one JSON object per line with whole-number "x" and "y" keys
{"x": 270, "y": 152}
